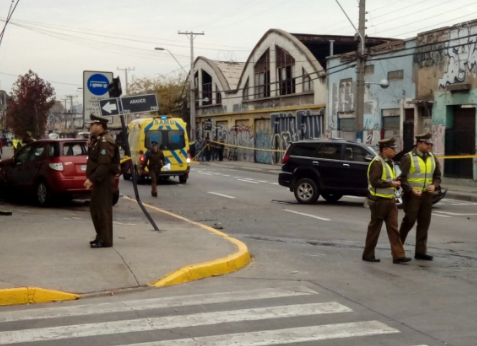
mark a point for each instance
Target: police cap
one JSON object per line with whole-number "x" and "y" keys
{"x": 388, "y": 143}
{"x": 154, "y": 143}
{"x": 98, "y": 119}
{"x": 425, "y": 137}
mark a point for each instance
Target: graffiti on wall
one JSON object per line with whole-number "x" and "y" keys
{"x": 461, "y": 60}
{"x": 263, "y": 140}
{"x": 438, "y": 134}
{"x": 373, "y": 137}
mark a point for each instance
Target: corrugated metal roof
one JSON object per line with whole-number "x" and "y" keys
{"x": 231, "y": 70}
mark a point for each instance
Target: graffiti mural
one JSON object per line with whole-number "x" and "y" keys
{"x": 284, "y": 130}
{"x": 438, "y": 134}
{"x": 263, "y": 140}
{"x": 373, "y": 137}
{"x": 242, "y": 135}
{"x": 311, "y": 124}
{"x": 461, "y": 60}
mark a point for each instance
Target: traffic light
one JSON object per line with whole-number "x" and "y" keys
{"x": 114, "y": 88}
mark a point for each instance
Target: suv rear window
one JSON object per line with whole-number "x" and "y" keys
{"x": 69, "y": 149}
{"x": 303, "y": 149}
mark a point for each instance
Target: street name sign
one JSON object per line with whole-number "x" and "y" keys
{"x": 129, "y": 105}
{"x": 95, "y": 88}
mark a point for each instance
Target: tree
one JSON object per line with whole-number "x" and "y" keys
{"x": 31, "y": 101}
{"x": 169, "y": 91}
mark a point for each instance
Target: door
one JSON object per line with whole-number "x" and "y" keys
{"x": 35, "y": 158}
{"x": 357, "y": 164}
{"x": 460, "y": 140}
{"x": 408, "y": 130}
{"x": 329, "y": 164}
{"x": 263, "y": 140}
{"x": 18, "y": 172}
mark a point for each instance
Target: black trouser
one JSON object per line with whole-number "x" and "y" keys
{"x": 101, "y": 209}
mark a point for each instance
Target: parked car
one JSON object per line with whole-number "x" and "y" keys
{"x": 48, "y": 170}
{"x": 330, "y": 168}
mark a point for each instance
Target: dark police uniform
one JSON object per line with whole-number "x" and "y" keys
{"x": 154, "y": 160}
{"x": 103, "y": 165}
{"x": 419, "y": 170}
{"x": 382, "y": 204}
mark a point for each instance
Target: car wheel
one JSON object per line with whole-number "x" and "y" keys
{"x": 183, "y": 179}
{"x": 331, "y": 197}
{"x": 115, "y": 197}
{"x": 306, "y": 191}
{"x": 43, "y": 194}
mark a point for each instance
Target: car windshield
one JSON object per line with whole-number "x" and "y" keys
{"x": 373, "y": 149}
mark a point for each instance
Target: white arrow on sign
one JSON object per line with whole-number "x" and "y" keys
{"x": 109, "y": 107}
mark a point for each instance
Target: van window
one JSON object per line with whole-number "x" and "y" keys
{"x": 167, "y": 139}
{"x": 153, "y": 136}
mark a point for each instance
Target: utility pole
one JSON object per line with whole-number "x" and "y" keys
{"x": 360, "y": 64}
{"x": 126, "y": 70}
{"x": 191, "y": 35}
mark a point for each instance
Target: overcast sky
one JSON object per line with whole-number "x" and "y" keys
{"x": 58, "y": 39}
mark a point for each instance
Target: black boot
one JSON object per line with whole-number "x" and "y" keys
{"x": 423, "y": 257}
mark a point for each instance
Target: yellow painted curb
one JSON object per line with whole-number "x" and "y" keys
{"x": 32, "y": 295}
{"x": 220, "y": 266}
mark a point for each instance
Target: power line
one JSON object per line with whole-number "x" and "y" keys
{"x": 49, "y": 81}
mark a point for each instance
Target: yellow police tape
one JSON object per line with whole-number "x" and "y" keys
{"x": 126, "y": 158}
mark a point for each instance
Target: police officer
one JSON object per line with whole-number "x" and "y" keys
{"x": 421, "y": 175}
{"x": 103, "y": 165}
{"x": 382, "y": 203}
{"x": 154, "y": 160}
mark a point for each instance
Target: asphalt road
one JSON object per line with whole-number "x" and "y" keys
{"x": 307, "y": 282}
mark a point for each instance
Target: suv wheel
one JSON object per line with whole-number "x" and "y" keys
{"x": 331, "y": 197}
{"x": 43, "y": 194}
{"x": 306, "y": 191}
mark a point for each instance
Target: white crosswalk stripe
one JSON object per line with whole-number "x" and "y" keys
{"x": 269, "y": 311}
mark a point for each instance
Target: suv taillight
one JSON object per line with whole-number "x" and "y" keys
{"x": 56, "y": 166}
{"x": 285, "y": 159}
{"x": 188, "y": 156}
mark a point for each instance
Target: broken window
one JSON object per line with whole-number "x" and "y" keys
{"x": 307, "y": 82}
{"x": 396, "y": 75}
{"x": 285, "y": 66}
{"x": 206, "y": 88}
{"x": 196, "y": 89}
{"x": 262, "y": 76}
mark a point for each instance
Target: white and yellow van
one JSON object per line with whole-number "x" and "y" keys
{"x": 171, "y": 135}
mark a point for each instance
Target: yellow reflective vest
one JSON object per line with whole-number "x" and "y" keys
{"x": 15, "y": 143}
{"x": 421, "y": 172}
{"x": 388, "y": 175}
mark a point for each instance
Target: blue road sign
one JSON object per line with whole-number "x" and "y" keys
{"x": 98, "y": 84}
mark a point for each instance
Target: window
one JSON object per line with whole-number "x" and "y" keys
{"x": 329, "y": 151}
{"x": 262, "y": 76}
{"x": 175, "y": 140}
{"x": 369, "y": 69}
{"x": 347, "y": 124}
{"x": 206, "y": 88}
{"x": 303, "y": 149}
{"x": 218, "y": 95}
{"x": 36, "y": 153}
{"x": 355, "y": 153}
{"x": 22, "y": 155}
{"x": 74, "y": 149}
{"x": 153, "y": 136}
{"x": 196, "y": 89}
{"x": 307, "y": 82}
{"x": 285, "y": 65}
{"x": 396, "y": 75}
{"x": 245, "y": 91}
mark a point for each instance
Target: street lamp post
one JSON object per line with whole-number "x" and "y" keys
{"x": 167, "y": 50}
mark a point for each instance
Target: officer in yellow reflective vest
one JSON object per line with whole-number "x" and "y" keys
{"x": 421, "y": 175}
{"x": 382, "y": 203}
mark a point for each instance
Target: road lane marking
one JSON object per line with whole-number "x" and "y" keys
{"x": 274, "y": 183}
{"x": 219, "y": 194}
{"x": 284, "y": 336}
{"x": 454, "y": 214}
{"x": 440, "y": 215}
{"x": 313, "y": 216}
{"x": 169, "y": 322}
{"x": 156, "y": 303}
{"x": 226, "y": 175}
{"x": 248, "y": 181}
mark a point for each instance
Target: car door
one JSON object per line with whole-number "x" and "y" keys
{"x": 329, "y": 165}
{"x": 356, "y": 160}
{"x": 33, "y": 163}
{"x": 16, "y": 175}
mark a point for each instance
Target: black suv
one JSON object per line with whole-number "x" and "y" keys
{"x": 328, "y": 167}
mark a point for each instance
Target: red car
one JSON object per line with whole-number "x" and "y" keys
{"x": 49, "y": 169}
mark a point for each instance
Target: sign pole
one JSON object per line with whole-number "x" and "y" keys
{"x": 127, "y": 151}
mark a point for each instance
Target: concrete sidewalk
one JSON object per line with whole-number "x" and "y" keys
{"x": 459, "y": 192}
{"x": 49, "y": 248}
